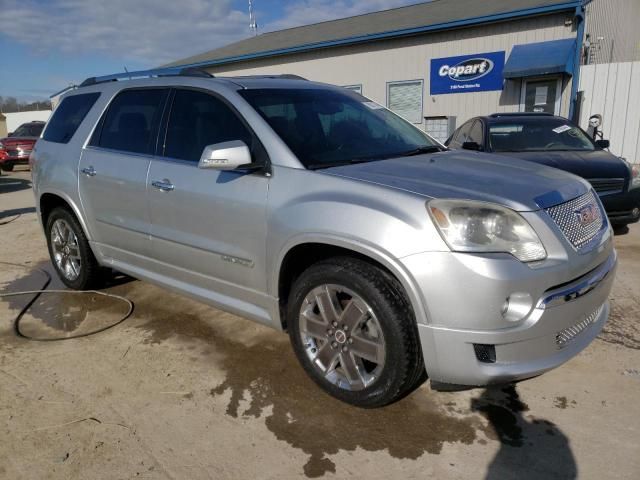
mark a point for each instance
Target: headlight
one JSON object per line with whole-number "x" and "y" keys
{"x": 470, "y": 226}
{"x": 635, "y": 176}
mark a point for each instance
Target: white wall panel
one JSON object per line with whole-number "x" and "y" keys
{"x": 613, "y": 91}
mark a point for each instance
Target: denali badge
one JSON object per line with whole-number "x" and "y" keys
{"x": 587, "y": 214}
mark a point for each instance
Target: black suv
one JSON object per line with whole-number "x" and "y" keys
{"x": 556, "y": 142}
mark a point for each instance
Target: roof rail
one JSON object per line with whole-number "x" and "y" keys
{"x": 522, "y": 114}
{"x": 285, "y": 76}
{"x": 159, "y": 72}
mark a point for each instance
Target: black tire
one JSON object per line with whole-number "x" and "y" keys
{"x": 7, "y": 167}
{"x": 90, "y": 274}
{"x": 403, "y": 369}
{"x": 620, "y": 229}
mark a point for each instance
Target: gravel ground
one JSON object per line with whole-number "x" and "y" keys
{"x": 184, "y": 391}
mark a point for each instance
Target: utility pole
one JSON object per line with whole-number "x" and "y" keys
{"x": 253, "y": 25}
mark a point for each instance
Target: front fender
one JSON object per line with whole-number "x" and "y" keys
{"x": 364, "y": 248}
{"x": 383, "y": 224}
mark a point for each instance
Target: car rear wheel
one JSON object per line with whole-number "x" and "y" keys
{"x": 7, "y": 167}
{"x": 353, "y": 330}
{"x": 69, "y": 250}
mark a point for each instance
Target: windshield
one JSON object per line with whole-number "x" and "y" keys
{"x": 538, "y": 134}
{"x": 28, "y": 130}
{"x": 327, "y": 127}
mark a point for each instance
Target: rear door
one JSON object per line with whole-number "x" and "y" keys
{"x": 113, "y": 172}
{"x": 208, "y": 227}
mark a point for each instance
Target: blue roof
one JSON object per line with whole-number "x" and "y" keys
{"x": 543, "y": 58}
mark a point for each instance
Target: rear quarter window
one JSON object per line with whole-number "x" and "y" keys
{"x": 68, "y": 117}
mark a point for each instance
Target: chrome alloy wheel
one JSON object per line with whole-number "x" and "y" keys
{"x": 342, "y": 337}
{"x": 66, "y": 251}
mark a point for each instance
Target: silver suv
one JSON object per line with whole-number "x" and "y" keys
{"x": 311, "y": 209}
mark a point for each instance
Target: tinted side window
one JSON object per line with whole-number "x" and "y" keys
{"x": 68, "y": 117}
{"x": 131, "y": 122}
{"x": 475, "y": 135}
{"x": 198, "y": 119}
{"x": 461, "y": 135}
{"x": 28, "y": 130}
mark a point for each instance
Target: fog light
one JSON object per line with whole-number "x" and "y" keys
{"x": 517, "y": 306}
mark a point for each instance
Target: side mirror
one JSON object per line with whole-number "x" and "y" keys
{"x": 10, "y": 134}
{"x": 471, "y": 146}
{"x": 225, "y": 156}
{"x": 603, "y": 143}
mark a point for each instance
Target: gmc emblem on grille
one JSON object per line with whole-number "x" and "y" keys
{"x": 587, "y": 214}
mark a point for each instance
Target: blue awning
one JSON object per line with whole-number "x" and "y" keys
{"x": 543, "y": 58}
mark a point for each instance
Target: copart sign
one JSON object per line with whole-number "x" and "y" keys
{"x": 480, "y": 72}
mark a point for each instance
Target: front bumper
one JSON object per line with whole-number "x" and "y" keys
{"x": 562, "y": 322}
{"x": 623, "y": 208}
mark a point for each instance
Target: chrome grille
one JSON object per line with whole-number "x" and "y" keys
{"x": 564, "y": 337}
{"x": 567, "y": 217}
{"x": 607, "y": 186}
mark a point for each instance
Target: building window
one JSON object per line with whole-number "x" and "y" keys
{"x": 440, "y": 128}
{"x": 405, "y": 99}
{"x": 354, "y": 88}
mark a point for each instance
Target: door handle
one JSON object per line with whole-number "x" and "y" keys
{"x": 164, "y": 185}
{"x": 89, "y": 171}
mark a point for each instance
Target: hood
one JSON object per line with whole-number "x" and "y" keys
{"x": 519, "y": 185}
{"x": 587, "y": 164}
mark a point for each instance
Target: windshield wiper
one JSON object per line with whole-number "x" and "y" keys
{"x": 421, "y": 150}
{"x": 386, "y": 156}
{"x": 318, "y": 166}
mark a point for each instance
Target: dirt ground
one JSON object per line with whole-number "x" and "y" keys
{"x": 181, "y": 390}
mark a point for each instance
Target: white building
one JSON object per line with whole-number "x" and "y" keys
{"x": 15, "y": 119}
{"x": 440, "y": 63}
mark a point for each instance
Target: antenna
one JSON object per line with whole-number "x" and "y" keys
{"x": 253, "y": 25}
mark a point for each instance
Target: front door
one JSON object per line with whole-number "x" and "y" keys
{"x": 208, "y": 227}
{"x": 541, "y": 96}
{"x": 113, "y": 173}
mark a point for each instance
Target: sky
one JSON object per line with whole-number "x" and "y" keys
{"x": 47, "y": 45}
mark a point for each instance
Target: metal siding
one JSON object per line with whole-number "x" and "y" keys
{"x": 375, "y": 64}
{"x": 609, "y": 91}
{"x": 617, "y": 22}
{"x": 408, "y": 20}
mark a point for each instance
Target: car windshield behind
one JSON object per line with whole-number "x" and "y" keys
{"x": 28, "y": 130}
{"x": 537, "y": 134}
{"x": 327, "y": 127}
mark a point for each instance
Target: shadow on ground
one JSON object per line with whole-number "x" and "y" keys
{"x": 9, "y": 184}
{"x": 15, "y": 212}
{"x": 530, "y": 447}
{"x": 264, "y": 381}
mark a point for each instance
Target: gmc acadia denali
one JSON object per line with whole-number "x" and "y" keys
{"x": 306, "y": 207}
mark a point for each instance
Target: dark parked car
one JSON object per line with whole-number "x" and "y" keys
{"x": 555, "y": 141}
{"x": 16, "y": 148}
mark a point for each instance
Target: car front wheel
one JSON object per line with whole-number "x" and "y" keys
{"x": 354, "y": 332}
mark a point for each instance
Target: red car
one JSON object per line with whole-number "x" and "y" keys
{"x": 15, "y": 149}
